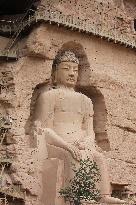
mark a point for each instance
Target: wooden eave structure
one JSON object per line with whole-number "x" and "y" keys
{"x": 52, "y": 16}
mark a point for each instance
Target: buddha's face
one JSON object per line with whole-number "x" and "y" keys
{"x": 66, "y": 74}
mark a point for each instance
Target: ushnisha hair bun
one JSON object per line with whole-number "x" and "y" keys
{"x": 67, "y": 56}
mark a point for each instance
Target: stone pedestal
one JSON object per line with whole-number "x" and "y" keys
{"x": 52, "y": 180}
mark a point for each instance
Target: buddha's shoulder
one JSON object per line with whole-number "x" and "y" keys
{"x": 85, "y": 98}
{"x": 53, "y": 93}
{"x": 47, "y": 94}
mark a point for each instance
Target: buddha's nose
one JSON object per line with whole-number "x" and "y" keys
{"x": 71, "y": 74}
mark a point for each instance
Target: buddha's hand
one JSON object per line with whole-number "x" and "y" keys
{"x": 79, "y": 144}
{"x": 75, "y": 152}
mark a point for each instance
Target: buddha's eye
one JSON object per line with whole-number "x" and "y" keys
{"x": 75, "y": 69}
{"x": 65, "y": 68}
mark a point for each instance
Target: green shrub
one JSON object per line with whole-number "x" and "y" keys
{"x": 83, "y": 184}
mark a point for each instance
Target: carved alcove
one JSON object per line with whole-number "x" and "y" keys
{"x": 100, "y": 118}
{"x": 37, "y": 90}
{"x": 100, "y": 114}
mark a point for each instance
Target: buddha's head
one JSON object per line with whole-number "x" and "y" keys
{"x": 65, "y": 69}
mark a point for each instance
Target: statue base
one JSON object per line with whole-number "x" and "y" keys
{"x": 53, "y": 182}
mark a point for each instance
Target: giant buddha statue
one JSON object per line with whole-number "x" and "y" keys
{"x": 67, "y": 119}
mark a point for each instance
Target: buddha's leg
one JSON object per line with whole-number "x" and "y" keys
{"x": 59, "y": 153}
{"x": 105, "y": 187}
{"x": 102, "y": 165}
{"x": 56, "y": 175}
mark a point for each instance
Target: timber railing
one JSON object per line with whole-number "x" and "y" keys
{"x": 72, "y": 22}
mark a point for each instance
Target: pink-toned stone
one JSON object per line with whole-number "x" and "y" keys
{"x": 108, "y": 68}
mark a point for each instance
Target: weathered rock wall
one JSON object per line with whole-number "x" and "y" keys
{"x": 110, "y": 18}
{"x": 107, "y": 68}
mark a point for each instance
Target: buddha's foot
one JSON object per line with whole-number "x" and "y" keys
{"x": 111, "y": 200}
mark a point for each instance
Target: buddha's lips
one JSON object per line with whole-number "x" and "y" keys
{"x": 71, "y": 79}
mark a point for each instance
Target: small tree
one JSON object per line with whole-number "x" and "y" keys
{"x": 83, "y": 184}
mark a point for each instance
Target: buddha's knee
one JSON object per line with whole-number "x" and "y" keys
{"x": 59, "y": 153}
{"x": 63, "y": 159}
{"x": 99, "y": 157}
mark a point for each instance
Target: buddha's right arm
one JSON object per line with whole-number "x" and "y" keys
{"x": 44, "y": 116}
{"x": 53, "y": 139}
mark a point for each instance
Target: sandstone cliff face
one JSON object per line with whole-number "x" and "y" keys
{"x": 107, "y": 75}
{"x": 110, "y": 18}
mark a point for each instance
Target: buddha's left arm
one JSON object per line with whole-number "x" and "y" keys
{"x": 89, "y": 138}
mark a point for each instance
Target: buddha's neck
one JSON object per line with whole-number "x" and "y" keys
{"x": 59, "y": 86}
